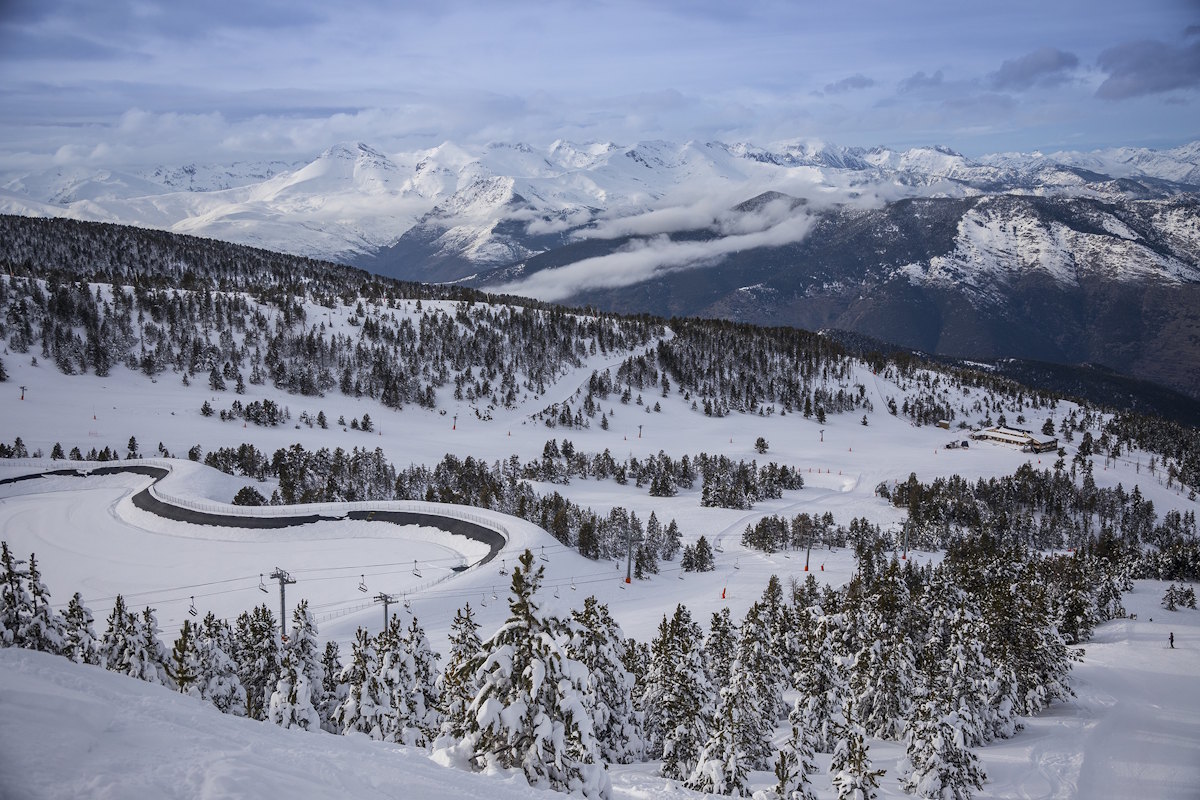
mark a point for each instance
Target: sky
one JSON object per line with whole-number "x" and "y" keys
{"x": 137, "y": 82}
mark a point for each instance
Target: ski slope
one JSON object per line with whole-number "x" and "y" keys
{"x": 1129, "y": 733}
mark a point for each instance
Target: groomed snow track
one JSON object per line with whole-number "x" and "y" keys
{"x": 153, "y": 502}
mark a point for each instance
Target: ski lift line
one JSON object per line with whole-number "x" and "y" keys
{"x": 431, "y": 561}
{"x": 127, "y": 595}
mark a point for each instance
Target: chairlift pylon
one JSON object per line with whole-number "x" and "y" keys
{"x": 362, "y": 583}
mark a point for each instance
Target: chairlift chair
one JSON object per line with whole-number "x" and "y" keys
{"x": 543, "y": 555}
{"x": 362, "y": 583}
{"x": 262, "y": 587}
{"x": 416, "y": 569}
{"x": 503, "y": 567}
{"x": 192, "y": 610}
{"x": 407, "y": 605}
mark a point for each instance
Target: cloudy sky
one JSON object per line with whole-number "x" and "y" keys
{"x": 128, "y": 82}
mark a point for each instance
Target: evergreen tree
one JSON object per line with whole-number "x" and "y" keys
{"x": 15, "y": 602}
{"x": 765, "y": 666}
{"x": 598, "y": 644}
{"x": 853, "y": 778}
{"x": 720, "y": 647}
{"x": 937, "y": 761}
{"x": 219, "y": 682}
{"x": 291, "y": 703}
{"x": 883, "y": 673}
{"x": 116, "y": 645}
{"x": 737, "y": 733}
{"x": 367, "y": 707}
{"x": 147, "y": 655}
{"x": 676, "y": 696}
{"x": 333, "y": 691}
{"x": 818, "y": 680}
{"x": 256, "y": 651}
{"x": 81, "y": 645}
{"x": 425, "y": 694}
{"x": 532, "y": 709}
{"x": 42, "y": 627}
{"x": 457, "y": 683}
{"x": 794, "y": 763}
{"x": 297, "y": 693}
{"x": 184, "y": 666}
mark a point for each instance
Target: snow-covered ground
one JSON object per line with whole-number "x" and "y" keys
{"x": 70, "y": 731}
{"x": 1131, "y": 732}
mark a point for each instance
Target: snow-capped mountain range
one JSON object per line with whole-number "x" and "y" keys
{"x": 488, "y": 206}
{"x": 1067, "y": 257}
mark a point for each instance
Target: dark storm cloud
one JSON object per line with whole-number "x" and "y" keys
{"x": 1046, "y": 66}
{"x": 1148, "y": 67}
{"x": 856, "y": 81}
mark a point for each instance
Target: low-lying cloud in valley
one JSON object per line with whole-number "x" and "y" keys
{"x": 647, "y": 258}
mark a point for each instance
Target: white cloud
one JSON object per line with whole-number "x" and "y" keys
{"x": 644, "y": 259}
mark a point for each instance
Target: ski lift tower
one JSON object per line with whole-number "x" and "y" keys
{"x": 284, "y": 579}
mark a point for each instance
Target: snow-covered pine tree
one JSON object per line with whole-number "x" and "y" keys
{"x": 532, "y": 709}
{"x": 937, "y": 762}
{"x": 765, "y": 666}
{"x": 793, "y": 763}
{"x": 296, "y": 694}
{"x": 676, "y": 696}
{"x": 397, "y": 675}
{"x": 148, "y": 655}
{"x": 42, "y": 629}
{"x": 883, "y": 673}
{"x": 367, "y": 707}
{"x": 853, "y": 778}
{"x": 256, "y": 651}
{"x": 291, "y": 704}
{"x": 819, "y": 679}
{"x": 425, "y": 696}
{"x": 333, "y": 691}
{"x": 219, "y": 682}
{"x": 737, "y": 734}
{"x": 15, "y": 602}
{"x": 184, "y": 666}
{"x": 963, "y": 682}
{"x": 599, "y": 644}
{"x": 720, "y": 647}
{"x": 116, "y": 645}
{"x": 457, "y": 684}
{"x": 80, "y": 645}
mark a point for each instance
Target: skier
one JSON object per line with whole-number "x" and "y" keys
{"x": 1171, "y": 639}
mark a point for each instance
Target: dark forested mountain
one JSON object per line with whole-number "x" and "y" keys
{"x": 1063, "y": 280}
